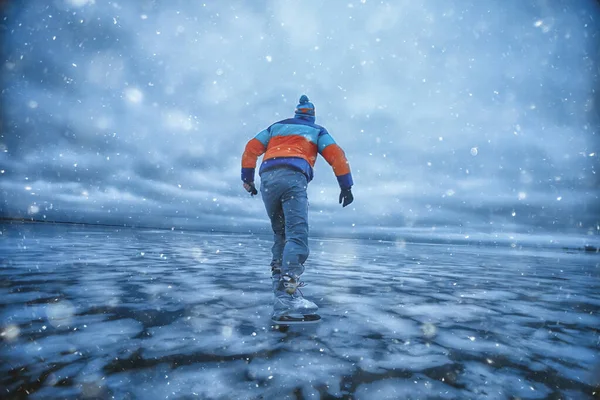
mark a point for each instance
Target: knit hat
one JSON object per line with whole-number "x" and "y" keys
{"x": 305, "y": 108}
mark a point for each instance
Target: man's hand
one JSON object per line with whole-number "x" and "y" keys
{"x": 346, "y": 197}
{"x": 250, "y": 188}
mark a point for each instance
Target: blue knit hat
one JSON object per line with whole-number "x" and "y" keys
{"x": 305, "y": 108}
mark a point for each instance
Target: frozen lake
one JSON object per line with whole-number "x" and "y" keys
{"x": 140, "y": 314}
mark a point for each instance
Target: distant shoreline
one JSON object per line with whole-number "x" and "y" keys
{"x": 382, "y": 237}
{"x": 43, "y": 221}
{"x": 72, "y": 223}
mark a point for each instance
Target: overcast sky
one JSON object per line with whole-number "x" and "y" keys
{"x": 474, "y": 114}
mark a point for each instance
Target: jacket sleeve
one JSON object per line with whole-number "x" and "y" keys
{"x": 335, "y": 156}
{"x": 254, "y": 149}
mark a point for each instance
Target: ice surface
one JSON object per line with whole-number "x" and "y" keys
{"x": 99, "y": 312}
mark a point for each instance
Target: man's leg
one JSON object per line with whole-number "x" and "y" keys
{"x": 295, "y": 209}
{"x": 278, "y": 225}
{"x": 271, "y": 198}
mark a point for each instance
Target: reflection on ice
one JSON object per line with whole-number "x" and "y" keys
{"x": 155, "y": 314}
{"x": 60, "y": 313}
{"x": 10, "y": 333}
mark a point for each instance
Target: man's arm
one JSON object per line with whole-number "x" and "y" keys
{"x": 335, "y": 156}
{"x": 254, "y": 149}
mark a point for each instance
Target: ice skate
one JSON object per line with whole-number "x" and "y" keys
{"x": 290, "y": 306}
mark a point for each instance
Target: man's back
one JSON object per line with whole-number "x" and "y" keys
{"x": 294, "y": 137}
{"x": 295, "y": 143}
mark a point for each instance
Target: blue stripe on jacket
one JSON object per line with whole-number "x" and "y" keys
{"x": 248, "y": 175}
{"x": 296, "y": 163}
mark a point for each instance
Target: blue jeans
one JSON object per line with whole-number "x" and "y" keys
{"x": 284, "y": 194}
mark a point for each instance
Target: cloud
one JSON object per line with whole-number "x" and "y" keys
{"x": 468, "y": 115}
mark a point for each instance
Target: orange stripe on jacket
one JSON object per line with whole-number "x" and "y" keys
{"x": 254, "y": 149}
{"x": 336, "y": 157}
{"x": 292, "y": 146}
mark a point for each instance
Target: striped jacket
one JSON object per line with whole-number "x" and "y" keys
{"x": 295, "y": 143}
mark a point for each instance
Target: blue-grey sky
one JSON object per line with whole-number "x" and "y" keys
{"x": 473, "y": 114}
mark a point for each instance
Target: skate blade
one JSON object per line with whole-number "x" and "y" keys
{"x": 297, "y": 319}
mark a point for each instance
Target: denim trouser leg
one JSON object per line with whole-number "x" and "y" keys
{"x": 284, "y": 194}
{"x": 278, "y": 225}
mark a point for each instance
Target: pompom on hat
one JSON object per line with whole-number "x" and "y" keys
{"x": 305, "y": 108}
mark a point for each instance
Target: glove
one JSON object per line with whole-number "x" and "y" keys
{"x": 250, "y": 188}
{"x": 346, "y": 197}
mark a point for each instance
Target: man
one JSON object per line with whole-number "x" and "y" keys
{"x": 291, "y": 147}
